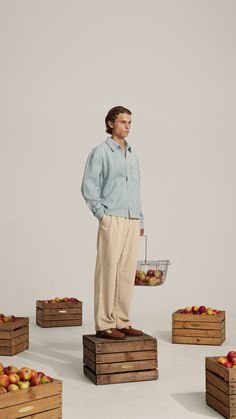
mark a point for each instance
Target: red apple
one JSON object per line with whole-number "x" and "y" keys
{"x": 231, "y": 355}
{"x": 40, "y": 374}
{"x": 194, "y": 309}
{"x": 13, "y": 387}
{"x": 23, "y": 385}
{"x": 25, "y": 374}
{"x": 14, "y": 378}
{"x": 11, "y": 369}
{"x": 65, "y": 299}
{"x": 151, "y": 272}
{"x": 202, "y": 309}
{"x": 35, "y": 381}
{"x": 228, "y": 364}
{"x": 34, "y": 374}
{"x": 4, "y": 380}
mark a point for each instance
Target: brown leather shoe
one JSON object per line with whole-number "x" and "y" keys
{"x": 130, "y": 331}
{"x": 110, "y": 334}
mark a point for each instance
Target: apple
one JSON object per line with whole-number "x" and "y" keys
{"x": 7, "y": 319}
{"x": 231, "y": 356}
{"x": 1, "y": 368}
{"x": 4, "y": 380}
{"x": 11, "y": 369}
{"x": 194, "y": 309}
{"x": 222, "y": 360}
{"x": 40, "y": 374}
{"x": 23, "y": 385}
{"x": 35, "y": 381}
{"x": 46, "y": 379}
{"x": 152, "y": 280}
{"x": 151, "y": 272}
{"x": 14, "y": 378}
{"x": 65, "y": 299}
{"x": 210, "y": 310}
{"x": 3, "y": 390}
{"x": 158, "y": 273}
{"x": 228, "y": 364}
{"x": 57, "y": 300}
{"x": 188, "y": 310}
{"x": 25, "y": 374}
{"x": 34, "y": 374}
{"x": 13, "y": 387}
{"x": 202, "y": 309}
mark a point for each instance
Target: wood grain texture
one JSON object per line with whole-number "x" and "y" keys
{"x": 124, "y": 377}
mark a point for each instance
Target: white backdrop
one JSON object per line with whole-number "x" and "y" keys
{"x": 64, "y": 64}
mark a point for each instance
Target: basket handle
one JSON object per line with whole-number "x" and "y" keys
{"x": 145, "y": 237}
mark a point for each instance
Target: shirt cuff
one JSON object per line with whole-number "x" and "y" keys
{"x": 99, "y": 213}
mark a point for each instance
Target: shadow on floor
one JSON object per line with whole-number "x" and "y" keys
{"x": 195, "y": 402}
{"x": 57, "y": 355}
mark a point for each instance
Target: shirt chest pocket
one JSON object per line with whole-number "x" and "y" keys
{"x": 135, "y": 173}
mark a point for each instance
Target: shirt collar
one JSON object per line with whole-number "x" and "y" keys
{"x": 114, "y": 145}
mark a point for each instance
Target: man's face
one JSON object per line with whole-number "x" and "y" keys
{"x": 121, "y": 126}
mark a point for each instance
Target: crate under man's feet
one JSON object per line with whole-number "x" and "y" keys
{"x": 108, "y": 361}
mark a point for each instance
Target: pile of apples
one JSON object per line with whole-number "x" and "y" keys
{"x": 61, "y": 300}
{"x": 228, "y": 361}
{"x": 7, "y": 319}
{"x": 152, "y": 277}
{"x": 200, "y": 310}
{"x": 12, "y": 379}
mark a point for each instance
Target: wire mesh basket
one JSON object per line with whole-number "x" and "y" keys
{"x": 151, "y": 272}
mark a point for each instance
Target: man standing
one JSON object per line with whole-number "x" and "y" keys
{"x": 111, "y": 188}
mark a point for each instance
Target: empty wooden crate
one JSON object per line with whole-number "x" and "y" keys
{"x": 198, "y": 329}
{"x": 221, "y": 388}
{"x": 14, "y": 336}
{"x": 107, "y": 361}
{"x": 39, "y": 402}
{"x": 59, "y": 314}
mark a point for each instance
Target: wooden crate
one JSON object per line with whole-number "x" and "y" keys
{"x": 58, "y": 314}
{"x": 198, "y": 329}
{"x": 41, "y": 402}
{"x": 14, "y": 336}
{"x": 108, "y": 361}
{"x": 221, "y": 388}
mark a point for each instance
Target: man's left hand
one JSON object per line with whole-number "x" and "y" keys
{"x": 141, "y": 231}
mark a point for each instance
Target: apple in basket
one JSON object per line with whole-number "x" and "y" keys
{"x": 141, "y": 276}
{"x": 152, "y": 281}
{"x": 158, "y": 273}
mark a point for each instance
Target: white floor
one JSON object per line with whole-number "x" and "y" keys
{"x": 179, "y": 392}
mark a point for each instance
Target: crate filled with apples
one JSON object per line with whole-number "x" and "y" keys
{"x": 199, "y": 325}
{"x": 221, "y": 383}
{"x": 59, "y": 312}
{"x": 25, "y": 392}
{"x": 151, "y": 273}
{"x": 14, "y": 334}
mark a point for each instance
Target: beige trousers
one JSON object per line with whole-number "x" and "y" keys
{"x": 117, "y": 253}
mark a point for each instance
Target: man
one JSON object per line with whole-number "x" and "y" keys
{"x": 111, "y": 188}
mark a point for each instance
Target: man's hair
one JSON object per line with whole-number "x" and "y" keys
{"x": 112, "y": 114}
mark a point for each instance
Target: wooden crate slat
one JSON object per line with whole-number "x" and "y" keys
{"x": 6, "y": 334}
{"x": 197, "y": 340}
{"x": 55, "y": 317}
{"x": 33, "y": 393}
{"x": 120, "y": 356}
{"x": 197, "y": 325}
{"x": 32, "y": 407}
{"x": 21, "y": 331}
{"x": 60, "y": 311}
{"x": 115, "y": 367}
{"x": 218, "y": 394}
{"x": 198, "y": 332}
{"x": 219, "y": 382}
{"x": 213, "y": 366}
{"x": 20, "y": 339}
{"x": 59, "y": 323}
{"x": 124, "y": 377}
{"x": 20, "y": 322}
{"x": 144, "y": 342}
{"x": 209, "y": 318}
{"x": 220, "y": 407}
{"x": 13, "y": 350}
{"x": 49, "y": 414}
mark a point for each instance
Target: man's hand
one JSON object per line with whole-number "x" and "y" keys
{"x": 141, "y": 231}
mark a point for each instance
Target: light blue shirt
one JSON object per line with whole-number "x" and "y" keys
{"x": 111, "y": 181}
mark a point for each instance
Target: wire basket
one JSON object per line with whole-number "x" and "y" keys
{"x": 151, "y": 272}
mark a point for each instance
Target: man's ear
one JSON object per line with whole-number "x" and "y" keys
{"x": 110, "y": 124}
